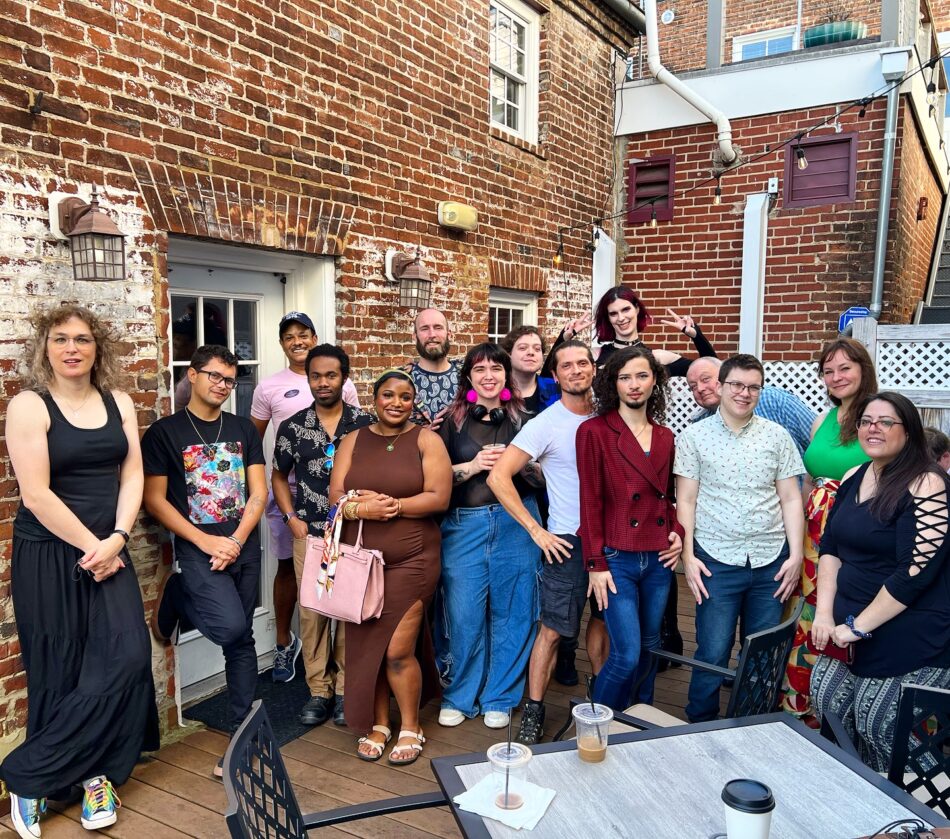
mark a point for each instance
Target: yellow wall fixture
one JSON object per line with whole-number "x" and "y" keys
{"x": 457, "y": 216}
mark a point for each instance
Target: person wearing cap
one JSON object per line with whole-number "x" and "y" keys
{"x": 277, "y": 398}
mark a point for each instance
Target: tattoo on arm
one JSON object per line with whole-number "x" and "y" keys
{"x": 459, "y": 475}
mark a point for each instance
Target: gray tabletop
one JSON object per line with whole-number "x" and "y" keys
{"x": 668, "y": 785}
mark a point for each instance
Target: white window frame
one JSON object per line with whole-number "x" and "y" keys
{"x": 741, "y": 41}
{"x": 531, "y": 20}
{"x": 526, "y": 301}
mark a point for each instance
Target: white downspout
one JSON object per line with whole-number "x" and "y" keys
{"x": 664, "y": 76}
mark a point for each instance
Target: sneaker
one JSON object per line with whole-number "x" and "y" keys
{"x": 532, "y": 723}
{"x": 317, "y": 710}
{"x": 496, "y": 719}
{"x": 26, "y": 813}
{"x": 285, "y": 660}
{"x": 99, "y": 803}
{"x": 565, "y": 672}
{"x": 339, "y": 718}
{"x": 164, "y": 620}
{"x": 218, "y": 770}
{"x": 450, "y": 718}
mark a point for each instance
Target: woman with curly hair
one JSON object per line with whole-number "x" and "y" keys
{"x": 630, "y": 537}
{"x": 74, "y": 445}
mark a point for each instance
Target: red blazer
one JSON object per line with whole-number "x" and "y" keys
{"x": 626, "y": 496}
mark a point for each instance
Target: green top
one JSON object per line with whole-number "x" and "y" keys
{"x": 826, "y": 457}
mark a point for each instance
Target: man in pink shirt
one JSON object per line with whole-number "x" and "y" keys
{"x": 275, "y": 399}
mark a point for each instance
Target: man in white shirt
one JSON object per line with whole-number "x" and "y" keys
{"x": 549, "y": 440}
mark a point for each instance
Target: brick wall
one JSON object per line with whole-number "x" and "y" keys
{"x": 297, "y": 126}
{"x": 819, "y": 259}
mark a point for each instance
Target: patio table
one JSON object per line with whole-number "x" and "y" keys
{"x": 665, "y": 784}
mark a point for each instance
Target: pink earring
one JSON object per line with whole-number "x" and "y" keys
{"x": 505, "y": 395}
{"x": 471, "y": 396}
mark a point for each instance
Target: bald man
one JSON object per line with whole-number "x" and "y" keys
{"x": 775, "y": 404}
{"x": 435, "y": 376}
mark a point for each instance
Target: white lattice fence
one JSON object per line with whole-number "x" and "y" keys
{"x": 798, "y": 377}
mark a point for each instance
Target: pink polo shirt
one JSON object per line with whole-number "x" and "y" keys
{"x": 285, "y": 393}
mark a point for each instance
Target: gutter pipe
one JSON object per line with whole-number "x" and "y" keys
{"x": 628, "y": 11}
{"x": 884, "y": 205}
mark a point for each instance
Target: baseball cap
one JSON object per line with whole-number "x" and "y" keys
{"x": 298, "y": 317}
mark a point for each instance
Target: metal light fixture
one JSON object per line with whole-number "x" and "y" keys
{"x": 95, "y": 241}
{"x": 415, "y": 284}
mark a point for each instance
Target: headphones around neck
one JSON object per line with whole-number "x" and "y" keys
{"x": 496, "y": 416}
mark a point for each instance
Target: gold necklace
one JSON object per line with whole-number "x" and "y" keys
{"x": 75, "y": 411}
{"x": 394, "y": 437}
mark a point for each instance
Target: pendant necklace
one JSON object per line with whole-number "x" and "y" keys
{"x": 394, "y": 438}
{"x": 636, "y": 343}
{"x": 195, "y": 427}
{"x": 75, "y": 411}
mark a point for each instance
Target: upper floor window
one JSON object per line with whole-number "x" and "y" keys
{"x": 513, "y": 38}
{"x": 508, "y": 310}
{"x": 760, "y": 44}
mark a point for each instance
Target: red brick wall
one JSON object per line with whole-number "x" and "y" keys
{"x": 301, "y": 127}
{"x": 819, "y": 259}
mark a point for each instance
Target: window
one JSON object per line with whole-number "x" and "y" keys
{"x": 760, "y": 44}
{"x": 508, "y": 310}
{"x": 830, "y": 175}
{"x": 650, "y": 187}
{"x": 513, "y": 38}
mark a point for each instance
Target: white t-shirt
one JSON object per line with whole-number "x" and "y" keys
{"x": 549, "y": 439}
{"x": 285, "y": 393}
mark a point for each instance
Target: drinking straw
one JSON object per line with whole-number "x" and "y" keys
{"x": 508, "y": 764}
{"x": 593, "y": 708}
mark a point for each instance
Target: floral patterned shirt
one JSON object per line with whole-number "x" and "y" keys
{"x": 304, "y": 448}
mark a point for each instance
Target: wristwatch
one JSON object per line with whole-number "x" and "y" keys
{"x": 288, "y": 516}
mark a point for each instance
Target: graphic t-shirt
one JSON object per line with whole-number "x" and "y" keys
{"x": 206, "y": 465}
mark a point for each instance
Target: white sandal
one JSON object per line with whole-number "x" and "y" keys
{"x": 415, "y": 747}
{"x": 376, "y": 747}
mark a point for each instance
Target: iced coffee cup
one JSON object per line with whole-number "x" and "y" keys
{"x": 749, "y": 805}
{"x": 509, "y": 762}
{"x": 592, "y": 722}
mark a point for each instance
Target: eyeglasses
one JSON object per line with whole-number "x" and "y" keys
{"x": 329, "y": 450}
{"x": 738, "y": 387}
{"x": 80, "y": 341}
{"x": 885, "y": 424}
{"x": 218, "y": 379}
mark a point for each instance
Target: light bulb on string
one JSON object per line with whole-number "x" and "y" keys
{"x": 931, "y": 92}
{"x": 802, "y": 160}
{"x": 559, "y": 256}
{"x": 653, "y": 217}
{"x": 717, "y": 194}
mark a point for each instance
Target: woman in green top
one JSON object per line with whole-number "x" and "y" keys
{"x": 848, "y": 373}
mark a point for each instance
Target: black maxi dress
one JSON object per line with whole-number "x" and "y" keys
{"x": 85, "y": 645}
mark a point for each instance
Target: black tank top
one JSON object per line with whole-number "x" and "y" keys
{"x": 83, "y": 471}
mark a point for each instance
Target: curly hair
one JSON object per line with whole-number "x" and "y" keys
{"x": 105, "y": 373}
{"x": 605, "y": 385}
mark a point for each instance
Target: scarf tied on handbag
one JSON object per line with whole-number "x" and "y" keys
{"x": 331, "y": 545}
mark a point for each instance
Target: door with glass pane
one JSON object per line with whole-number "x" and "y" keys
{"x": 239, "y": 309}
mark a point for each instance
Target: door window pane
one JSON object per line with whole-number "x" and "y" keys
{"x": 184, "y": 327}
{"x": 245, "y": 329}
{"x": 215, "y": 321}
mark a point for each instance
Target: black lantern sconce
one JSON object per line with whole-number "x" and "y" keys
{"x": 415, "y": 284}
{"x": 95, "y": 241}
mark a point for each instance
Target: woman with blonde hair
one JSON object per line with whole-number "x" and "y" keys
{"x": 74, "y": 446}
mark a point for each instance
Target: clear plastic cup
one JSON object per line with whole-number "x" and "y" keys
{"x": 592, "y": 722}
{"x": 509, "y": 762}
{"x": 749, "y": 805}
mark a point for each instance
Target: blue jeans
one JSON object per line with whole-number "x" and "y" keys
{"x": 633, "y": 617}
{"x": 490, "y": 569}
{"x": 736, "y": 593}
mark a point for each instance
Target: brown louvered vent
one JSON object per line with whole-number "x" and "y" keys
{"x": 649, "y": 187}
{"x": 830, "y": 175}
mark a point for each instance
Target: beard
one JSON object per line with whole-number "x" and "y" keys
{"x": 635, "y": 406}
{"x": 433, "y": 352}
{"x": 576, "y": 390}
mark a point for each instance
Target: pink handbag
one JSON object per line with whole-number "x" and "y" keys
{"x": 342, "y": 581}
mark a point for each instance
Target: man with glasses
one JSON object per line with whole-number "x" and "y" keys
{"x": 738, "y": 500}
{"x": 275, "y": 399}
{"x": 205, "y": 483}
{"x": 306, "y": 445}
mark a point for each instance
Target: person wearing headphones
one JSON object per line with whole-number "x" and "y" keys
{"x": 489, "y": 562}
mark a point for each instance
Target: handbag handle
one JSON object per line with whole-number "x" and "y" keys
{"x": 338, "y": 525}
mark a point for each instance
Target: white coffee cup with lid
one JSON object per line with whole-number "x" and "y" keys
{"x": 749, "y": 805}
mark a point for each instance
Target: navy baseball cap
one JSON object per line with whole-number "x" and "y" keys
{"x": 295, "y": 317}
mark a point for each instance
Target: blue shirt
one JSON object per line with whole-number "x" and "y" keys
{"x": 783, "y": 408}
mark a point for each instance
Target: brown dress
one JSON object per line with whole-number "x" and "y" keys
{"x": 411, "y": 550}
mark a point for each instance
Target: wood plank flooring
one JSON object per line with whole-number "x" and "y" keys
{"x": 173, "y": 794}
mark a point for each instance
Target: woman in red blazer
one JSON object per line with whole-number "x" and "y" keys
{"x": 629, "y": 533}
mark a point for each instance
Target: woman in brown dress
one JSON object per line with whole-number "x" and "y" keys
{"x": 403, "y": 477}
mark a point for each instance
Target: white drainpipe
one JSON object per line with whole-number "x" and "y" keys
{"x": 664, "y": 76}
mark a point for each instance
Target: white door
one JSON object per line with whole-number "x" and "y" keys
{"x": 235, "y": 297}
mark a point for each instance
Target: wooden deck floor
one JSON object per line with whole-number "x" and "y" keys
{"x": 173, "y": 795}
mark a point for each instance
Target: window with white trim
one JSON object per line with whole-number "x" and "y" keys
{"x": 513, "y": 39}
{"x": 761, "y": 44}
{"x": 508, "y": 310}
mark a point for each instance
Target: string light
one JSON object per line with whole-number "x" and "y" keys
{"x": 653, "y": 216}
{"x": 559, "y": 256}
{"x": 802, "y": 160}
{"x": 717, "y": 193}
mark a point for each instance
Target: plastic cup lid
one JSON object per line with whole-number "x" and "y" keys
{"x": 511, "y": 755}
{"x": 597, "y": 714}
{"x": 748, "y": 796}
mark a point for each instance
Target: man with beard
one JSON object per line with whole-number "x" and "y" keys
{"x": 306, "y": 445}
{"x": 435, "y": 377}
{"x": 549, "y": 440}
{"x": 275, "y": 399}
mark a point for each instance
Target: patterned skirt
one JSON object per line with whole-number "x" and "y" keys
{"x": 796, "y": 692}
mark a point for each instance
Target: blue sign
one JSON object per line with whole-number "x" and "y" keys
{"x": 851, "y": 314}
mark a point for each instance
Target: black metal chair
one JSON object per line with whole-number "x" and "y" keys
{"x": 757, "y": 678}
{"x": 261, "y": 800}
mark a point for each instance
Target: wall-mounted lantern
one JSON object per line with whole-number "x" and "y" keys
{"x": 95, "y": 241}
{"x": 415, "y": 284}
